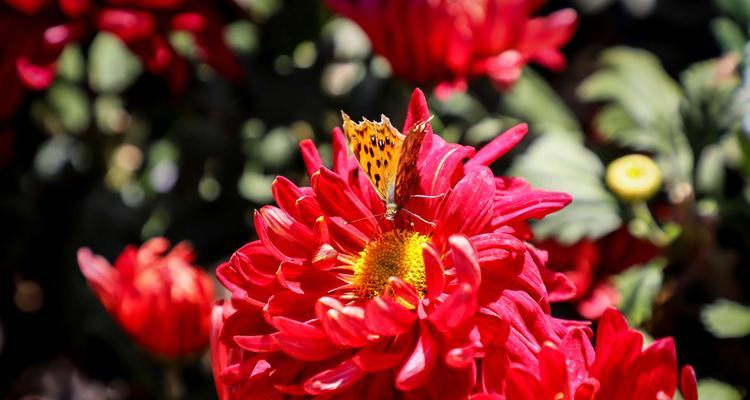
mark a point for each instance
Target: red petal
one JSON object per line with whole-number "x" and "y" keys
{"x": 418, "y": 111}
{"x": 337, "y": 199}
{"x": 257, "y": 343}
{"x": 468, "y": 208}
{"x": 657, "y": 369}
{"x": 388, "y": 318}
{"x": 457, "y": 309}
{"x": 434, "y": 273}
{"x": 416, "y": 370}
{"x": 34, "y": 76}
{"x": 523, "y": 385}
{"x": 334, "y": 380}
{"x": 514, "y": 207}
{"x": 128, "y": 25}
{"x": 499, "y": 146}
{"x": 303, "y": 341}
{"x": 345, "y": 326}
{"x": 465, "y": 262}
{"x": 310, "y": 156}
{"x": 688, "y": 383}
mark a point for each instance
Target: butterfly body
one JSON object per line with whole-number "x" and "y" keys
{"x": 387, "y": 157}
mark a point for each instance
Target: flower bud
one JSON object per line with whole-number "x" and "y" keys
{"x": 633, "y": 177}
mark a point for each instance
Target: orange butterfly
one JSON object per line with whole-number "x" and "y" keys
{"x": 388, "y": 157}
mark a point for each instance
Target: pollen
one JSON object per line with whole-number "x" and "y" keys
{"x": 396, "y": 253}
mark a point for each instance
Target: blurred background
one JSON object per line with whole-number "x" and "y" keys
{"x": 110, "y": 149}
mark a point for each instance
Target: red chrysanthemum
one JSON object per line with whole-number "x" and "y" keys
{"x": 446, "y": 42}
{"x": 33, "y": 33}
{"x": 618, "y": 368}
{"x": 590, "y": 265}
{"x": 332, "y": 300}
{"x": 159, "y": 298}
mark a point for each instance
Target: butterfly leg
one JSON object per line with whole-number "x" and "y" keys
{"x": 430, "y": 223}
{"x": 430, "y": 196}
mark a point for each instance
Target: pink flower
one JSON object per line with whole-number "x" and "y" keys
{"x": 332, "y": 300}
{"x": 447, "y": 42}
{"x": 159, "y": 298}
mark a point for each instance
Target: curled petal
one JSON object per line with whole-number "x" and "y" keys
{"x": 403, "y": 293}
{"x": 303, "y": 341}
{"x": 345, "y": 326}
{"x": 465, "y": 262}
{"x": 434, "y": 273}
{"x": 257, "y": 343}
{"x": 457, "y": 309}
{"x": 415, "y": 372}
{"x": 334, "y": 380}
{"x": 388, "y": 318}
{"x": 337, "y": 199}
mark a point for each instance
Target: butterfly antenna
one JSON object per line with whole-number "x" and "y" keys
{"x": 362, "y": 219}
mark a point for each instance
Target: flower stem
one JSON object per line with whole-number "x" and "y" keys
{"x": 655, "y": 233}
{"x": 174, "y": 388}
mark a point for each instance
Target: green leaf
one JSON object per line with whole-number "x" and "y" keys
{"x": 738, "y": 10}
{"x": 711, "y": 389}
{"x": 560, "y": 162}
{"x": 710, "y": 170}
{"x": 255, "y": 186}
{"x": 71, "y": 106}
{"x": 726, "y": 319}
{"x": 534, "y": 101}
{"x": 641, "y": 109}
{"x": 71, "y": 65}
{"x": 729, "y": 35}
{"x": 638, "y": 288}
{"x": 112, "y": 67}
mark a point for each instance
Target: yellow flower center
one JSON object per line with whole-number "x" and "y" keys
{"x": 396, "y": 253}
{"x": 634, "y": 177}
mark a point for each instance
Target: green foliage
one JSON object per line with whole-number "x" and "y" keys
{"x": 711, "y": 389}
{"x": 708, "y": 107}
{"x": 726, "y": 319}
{"x": 559, "y": 161}
{"x": 641, "y": 109}
{"x": 730, "y": 30}
{"x": 112, "y": 67}
{"x": 728, "y": 34}
{"x": 638, "y": 288}
{"x": 535, "y": 102}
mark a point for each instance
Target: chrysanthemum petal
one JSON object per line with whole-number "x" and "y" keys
{"x": 334, "y": 380}
{"x": 498, "y": 146}
{"x": 415, "y": 372}
{"x": 388, "y": 318}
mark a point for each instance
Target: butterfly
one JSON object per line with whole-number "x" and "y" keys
{"x": 388, "y": 157}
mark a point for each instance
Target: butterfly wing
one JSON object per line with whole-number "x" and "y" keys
{"x": 407, "y": 175}
{"x": 377, "y": 148}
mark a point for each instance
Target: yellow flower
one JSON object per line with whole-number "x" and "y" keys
{"x": 633, "y": 177}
